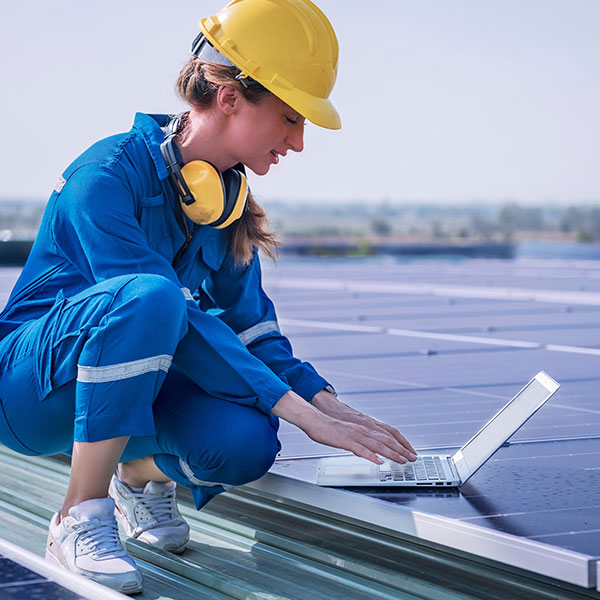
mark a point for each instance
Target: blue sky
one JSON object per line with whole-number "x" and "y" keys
{"x": 441, "y": 100}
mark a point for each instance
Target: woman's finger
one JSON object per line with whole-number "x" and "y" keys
{"x": 371, "y": 449}
{"x": 397, "y": 435}
{"x": 382, "y": 446}
{"x": 360, "y": 450}
{"x": 364, "y": 441}
{"x": 389, "y": 430}
{"x": 400, "y": 452}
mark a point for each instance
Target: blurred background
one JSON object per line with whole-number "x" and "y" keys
{"x": 464, "y": 122}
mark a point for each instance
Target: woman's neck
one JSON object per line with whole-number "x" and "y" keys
{"x": 203, "y": 138}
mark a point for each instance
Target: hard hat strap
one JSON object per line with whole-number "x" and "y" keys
{"x": 203, "y": 49}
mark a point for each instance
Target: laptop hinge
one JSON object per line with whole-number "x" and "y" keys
{"x": 461, "y": 467}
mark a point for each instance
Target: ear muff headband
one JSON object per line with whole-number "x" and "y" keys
{"x": 207, "y": 196}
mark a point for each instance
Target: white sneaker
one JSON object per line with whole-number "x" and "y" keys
{"x": 150, "y": 515}
{"x": 87, "y": 543}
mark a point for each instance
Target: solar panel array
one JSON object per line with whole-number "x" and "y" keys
{"x": 436, "y": 348}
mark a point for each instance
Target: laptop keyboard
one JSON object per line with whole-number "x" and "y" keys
{"x": 425, "y": 468}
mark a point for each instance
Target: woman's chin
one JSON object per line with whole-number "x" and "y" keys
{"x": 259, "y": 169}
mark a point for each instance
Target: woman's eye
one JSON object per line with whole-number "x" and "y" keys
{"x": 292, "y": 121}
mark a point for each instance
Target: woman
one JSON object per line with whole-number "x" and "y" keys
{"x": 138, "y": 337}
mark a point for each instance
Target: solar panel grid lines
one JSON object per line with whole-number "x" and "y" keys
{"x": 499, "y": 336}
{"x": 579, "y": 296}
{"x": 493, "y": 273}
{"x": 427, "y": 387}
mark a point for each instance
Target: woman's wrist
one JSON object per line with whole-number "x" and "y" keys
{"x": 331, "y": 405}
{"x": 324, "y": 399}
{"x": 294, "y": 409}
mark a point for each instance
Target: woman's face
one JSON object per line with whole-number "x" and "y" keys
{"x": 262, "y": 133}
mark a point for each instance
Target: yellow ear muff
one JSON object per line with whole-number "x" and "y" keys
{"x": 207, "y": 196}
{"x": 239, "y": 192}
{"x": 206, "y": 185}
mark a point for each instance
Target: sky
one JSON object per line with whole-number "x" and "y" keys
{"x": 440, "y": 100}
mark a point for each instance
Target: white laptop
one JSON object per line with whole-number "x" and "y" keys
{"x": 443, "y": 470}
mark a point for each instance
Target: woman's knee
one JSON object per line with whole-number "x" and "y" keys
{"x": 256, "y": 458}
{"x": 242, "y": 455}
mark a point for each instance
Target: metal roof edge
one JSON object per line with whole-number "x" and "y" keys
{"x": 537, "y": 557}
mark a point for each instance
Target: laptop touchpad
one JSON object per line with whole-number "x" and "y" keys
{"x": 349, "y": 470}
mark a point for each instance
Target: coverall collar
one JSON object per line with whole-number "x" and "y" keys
{"x": 150, "y": 126}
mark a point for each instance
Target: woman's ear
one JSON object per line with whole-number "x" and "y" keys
{"x": 228, "y": 99}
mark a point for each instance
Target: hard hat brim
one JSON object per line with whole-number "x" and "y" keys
{"x": 319, "y": 111}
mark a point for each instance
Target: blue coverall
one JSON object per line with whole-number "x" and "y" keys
{"x": 104, "y": 337}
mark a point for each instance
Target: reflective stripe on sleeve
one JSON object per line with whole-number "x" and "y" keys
{"x": 193, "y": 479}
{"x": 187, "y": 293}
{"x": 125, "y": 370}
{"x": 254, "y": 332}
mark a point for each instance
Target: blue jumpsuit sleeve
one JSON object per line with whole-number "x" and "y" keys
{"x": 94, "y": 228}
{"x": 238, "y": 297}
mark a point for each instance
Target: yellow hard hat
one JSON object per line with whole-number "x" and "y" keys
{"x": 288, "y": 46}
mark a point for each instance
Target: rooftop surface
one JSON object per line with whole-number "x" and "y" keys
{"x": 436, "y": 347}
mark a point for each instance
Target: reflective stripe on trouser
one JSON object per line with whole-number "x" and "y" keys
{"x": 201, "y": 442}
{"x": 115, "y": 339}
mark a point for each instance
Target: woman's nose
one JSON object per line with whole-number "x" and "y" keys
{"x": 296, "y": 138}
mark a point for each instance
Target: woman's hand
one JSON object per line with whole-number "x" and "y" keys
{"x": 329, "y": 404}
{"x": 367, "y": 439}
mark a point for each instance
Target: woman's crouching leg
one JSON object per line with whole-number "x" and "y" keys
{"x": 210, "y": 445}
{"x": 125, "y": 357}
{"x": 90, "y": 369}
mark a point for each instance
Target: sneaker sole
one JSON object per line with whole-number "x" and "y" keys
{"x": 124, "y": 524}
{"x": 174, "y": 549}
{"x": 132, "y": 587}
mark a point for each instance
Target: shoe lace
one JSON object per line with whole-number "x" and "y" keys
{"x": 156, "y": 508}
{"x": 100, "y": 537}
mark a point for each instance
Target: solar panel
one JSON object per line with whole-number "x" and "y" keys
{"x": 439, "y": 390}
{"x": 20, "y": 583}
{"x": 26, "y": 576}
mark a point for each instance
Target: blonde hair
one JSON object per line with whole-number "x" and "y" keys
{"x": 198, "y": 84}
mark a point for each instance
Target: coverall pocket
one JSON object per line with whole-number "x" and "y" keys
{"x": 153, "y": 220}
{"x": 157, "y": 200}
{"x": 71, "y": 319}
{"x": 9, "y": 439}
{"x": 46, "y": 327}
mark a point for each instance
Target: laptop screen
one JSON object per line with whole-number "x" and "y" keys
{"x": 500, "y": 427}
